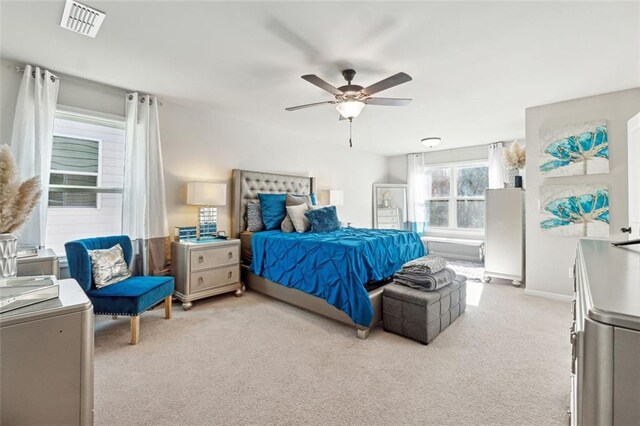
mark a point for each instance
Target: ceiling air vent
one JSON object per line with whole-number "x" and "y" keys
{"x": 81, "y": 19}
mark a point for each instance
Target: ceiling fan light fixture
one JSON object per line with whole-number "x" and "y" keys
{"x": 431, "y": 142}
{"x": 350, "y": 108}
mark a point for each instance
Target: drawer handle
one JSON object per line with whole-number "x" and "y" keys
{"x": 230, "y": 274}
{"x": 200, "y": 259}
{"x": 200, "y": 280}
{"x": 230, "y": 255}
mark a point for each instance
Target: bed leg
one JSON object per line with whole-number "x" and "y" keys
{"x": 362, "y": 333}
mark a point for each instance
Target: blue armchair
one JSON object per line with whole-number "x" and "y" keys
{"x": 130, "y": 297}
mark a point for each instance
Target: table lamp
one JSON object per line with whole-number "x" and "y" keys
{"x": 336, "y": 197}
{"x": 207, "y": 195}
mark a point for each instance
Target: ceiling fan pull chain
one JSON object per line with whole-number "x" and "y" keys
{"x": 350, "y": 132}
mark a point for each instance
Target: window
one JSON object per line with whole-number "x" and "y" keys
{"x": 75, "y": 166}
{"x": 454, "y": 196}
{"x": 87, "y": 174}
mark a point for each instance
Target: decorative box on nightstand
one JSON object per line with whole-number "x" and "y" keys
{"x": 205, "y": 268}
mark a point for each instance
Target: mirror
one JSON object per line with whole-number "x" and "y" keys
{"x": 389, "y": 206}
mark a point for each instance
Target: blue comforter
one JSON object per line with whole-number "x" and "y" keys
{"x": 335, "y": 265}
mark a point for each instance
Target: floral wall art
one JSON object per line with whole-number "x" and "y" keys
{"x": 574, "y": 210}
{"x": 581, "y": 149}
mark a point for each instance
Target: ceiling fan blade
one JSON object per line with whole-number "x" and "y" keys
{"x": 295, "y": 108}
{"x": 388, "y": 101}
{"x": 317, "y": 81}
{"x": 387, "y": 83}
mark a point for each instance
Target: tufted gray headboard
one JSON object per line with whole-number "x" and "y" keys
{"x": 247, "y": 185}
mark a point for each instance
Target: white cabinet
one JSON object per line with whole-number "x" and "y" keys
{"x": 389, "y": 218}
{"x": 605, "y": 336}
{"x": 504, "y": 229}
{"x": 389, "y": 206}
{"x": 46, "y": 359}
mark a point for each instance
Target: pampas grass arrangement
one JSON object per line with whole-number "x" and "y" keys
{"x": 515, "y": 156}
{"x": 17, "y": 199}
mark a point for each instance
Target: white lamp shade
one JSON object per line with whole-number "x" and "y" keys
{"x": 350, "y": 109}
{"x": 336, "y": 197}
{"x": 206, "y": 194}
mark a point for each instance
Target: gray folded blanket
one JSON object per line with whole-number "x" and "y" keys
{"x": 425, "y": 282}
{"x": 425, "y": 265}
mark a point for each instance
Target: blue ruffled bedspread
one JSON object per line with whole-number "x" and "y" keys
{"x": 335, "y": 265}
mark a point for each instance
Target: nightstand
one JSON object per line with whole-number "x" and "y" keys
{"x": 205, "y": 268}
{"x": 44, "y": 263}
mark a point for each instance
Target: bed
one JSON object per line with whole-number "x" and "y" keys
{"x": 326, "y": 273}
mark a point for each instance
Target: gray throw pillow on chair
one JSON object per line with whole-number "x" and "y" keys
{"x": 108, "y": 266}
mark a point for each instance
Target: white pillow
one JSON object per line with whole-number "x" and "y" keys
{"x": 300, "y": 221}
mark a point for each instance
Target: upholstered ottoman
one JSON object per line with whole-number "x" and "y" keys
{"x": 422, "y": 315}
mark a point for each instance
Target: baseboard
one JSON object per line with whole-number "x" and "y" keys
{"x": 548, "y": 295}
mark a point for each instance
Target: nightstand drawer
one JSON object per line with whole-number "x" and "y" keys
{"x": 212, "y": 278}
{"x": 212, "y": 257}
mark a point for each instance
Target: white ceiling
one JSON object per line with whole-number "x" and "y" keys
{"x": 475, "y": 66}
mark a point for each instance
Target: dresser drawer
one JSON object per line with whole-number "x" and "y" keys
{"x": 213, "y": 257}
{"x": 388, "y": 219}
{"x": 212, "y": 278}
{"x": 389, "y": 226}
{"x": 393, "y": 213}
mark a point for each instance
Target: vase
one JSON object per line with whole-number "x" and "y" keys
{"x": 511, "y": 178}
{"x": 8, "y": 255}
{"x": 518, "y": 181}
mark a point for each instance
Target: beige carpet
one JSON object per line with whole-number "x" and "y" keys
{"x": 253, "y": 360}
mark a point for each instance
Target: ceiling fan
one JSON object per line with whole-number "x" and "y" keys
{"x": 350, "y": 99}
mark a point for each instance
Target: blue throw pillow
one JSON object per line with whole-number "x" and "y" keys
{"x": 273, "y": 209}
{"x": 324, "y": 219}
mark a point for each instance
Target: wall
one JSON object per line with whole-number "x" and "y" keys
{"x": 550, "y": 258}
{"x": 200, "y": 145}
{"x": 9, "y": 86}
{"x": 397, "y": 165}
{"x": 74, "y": 93}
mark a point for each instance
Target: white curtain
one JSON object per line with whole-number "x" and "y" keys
{"x": 497, "y": 171}
{"x": 31, "y": 142}
{"x": 144, "y": 215}
{"x": 416, "y": 182}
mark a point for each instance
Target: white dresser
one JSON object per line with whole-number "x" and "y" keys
{"x": 504, "y": 235}
{"x": 46, "y": 360}
{"x": 389, "y": 218}
{"x": 605, "y": 335}
{"x": 204, "y": 269}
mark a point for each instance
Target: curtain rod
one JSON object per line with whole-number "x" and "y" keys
{"x": 107, "y": 88}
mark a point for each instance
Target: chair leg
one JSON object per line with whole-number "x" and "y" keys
{"x": 167, "y": 307}
{"x": 135, "y": 329}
